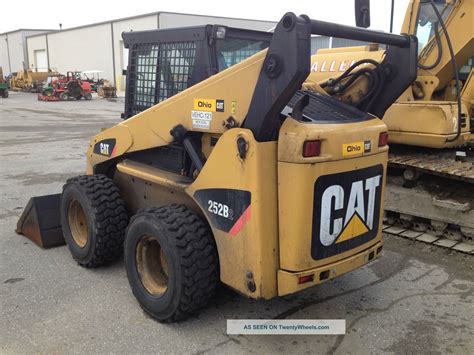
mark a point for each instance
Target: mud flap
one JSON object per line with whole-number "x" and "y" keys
{"x": 41, "y": 221}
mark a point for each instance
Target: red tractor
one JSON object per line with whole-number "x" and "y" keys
{"x": 62, "y": 88}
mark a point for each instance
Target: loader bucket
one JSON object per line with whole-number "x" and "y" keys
{"x": 41, "y": 221}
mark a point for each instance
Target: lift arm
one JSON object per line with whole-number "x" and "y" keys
{"x": 287, "y": 65}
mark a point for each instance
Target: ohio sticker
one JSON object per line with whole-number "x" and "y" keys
{"x": 201, "y": 119}
{"x": 350, "y": 149}
{"x": 209, "y": 105}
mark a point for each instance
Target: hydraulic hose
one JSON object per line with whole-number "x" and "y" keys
{"x": 352, "y": 67}
{"x": 352, "y": 78}
{"x": 374, "y": 77}
{"x": 381, "y": 82}
{"x": 373, "y": 87}
{"x": 440, "y": 51}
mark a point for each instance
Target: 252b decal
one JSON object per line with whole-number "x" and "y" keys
{"x": 227, "y": 209}
{"x": 220, "y": 209}
{"x": 346, "y": 210}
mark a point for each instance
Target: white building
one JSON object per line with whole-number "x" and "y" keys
{"x": 13, "y": 51}
{"x": 99, "y": 46}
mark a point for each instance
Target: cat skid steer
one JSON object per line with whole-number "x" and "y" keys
{"x": 250, "y": 177}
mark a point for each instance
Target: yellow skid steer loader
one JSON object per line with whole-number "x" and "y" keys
{"x": 250, "y": 177}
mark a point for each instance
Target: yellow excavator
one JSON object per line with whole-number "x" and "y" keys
{"x": 252, "y": 177}
{"x": 29, "y": 80}
{"x": 430, "y": 185}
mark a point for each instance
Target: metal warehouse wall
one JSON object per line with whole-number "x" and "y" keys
{"x": 83, "y": 48}
{"x": 100, "y": 46}
{"x": 169, "y": 20}
{"x": 120, "y": 53}
{"x": 15, "y": 47}
{"x": 36, "y": 43}
{"x": 13, "y": 50}
{"x": 318, "y": 42}
{"x": 341, "y": 42}
{"x": 4, "y": 62}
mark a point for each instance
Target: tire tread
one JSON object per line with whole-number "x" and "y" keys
{"x": 110, "y": 217}
{"x": 197, "y": 256}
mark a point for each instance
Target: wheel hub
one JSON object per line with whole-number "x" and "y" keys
{"x": 152, "y": 266}
{"x": 78, "y": 223}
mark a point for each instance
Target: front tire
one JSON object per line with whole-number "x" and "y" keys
{"x": 88, "y": 96}
{"x": 93, "y": 220}
{"x": 171, "y": 262}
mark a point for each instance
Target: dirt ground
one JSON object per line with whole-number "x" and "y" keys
{"x": 415, "y": 299}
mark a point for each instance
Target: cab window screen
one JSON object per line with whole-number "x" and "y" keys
{"x": 157, "y": 72}
{"x": 231, "y": 51}
{"x": 146, "y": 78}
{"x": 176, "y": 61}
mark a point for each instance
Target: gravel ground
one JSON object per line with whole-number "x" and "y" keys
{"x": 415, "y": 299}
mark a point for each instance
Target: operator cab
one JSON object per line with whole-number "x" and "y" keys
{"x": 162, "y": 63}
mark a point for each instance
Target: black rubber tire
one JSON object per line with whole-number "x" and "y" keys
{"x": 63, "y": 96}
{"x": 5, "y": 93}
{"x": 88, "y": 96}
{"x": 192, "y": 260}
{"x": 106, "y": 217}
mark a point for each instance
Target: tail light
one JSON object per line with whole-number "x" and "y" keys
{"x": 311, "y": 148}
{"x": 383, "y": 139}
{"x": 305, "y": 278}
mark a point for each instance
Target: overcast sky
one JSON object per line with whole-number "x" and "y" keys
{"x": 49, "y": 13}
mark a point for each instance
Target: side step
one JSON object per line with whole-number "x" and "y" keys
{"x": 41, "y": 221}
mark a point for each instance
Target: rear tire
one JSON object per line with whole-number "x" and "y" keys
{"x": 93, "y": 219}
{"x": 171, "y": 262}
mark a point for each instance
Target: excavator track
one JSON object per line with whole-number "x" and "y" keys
{"x": 430, "y": 197}
{"x": 396, "y": 230}
{"x": 426, "y": 163}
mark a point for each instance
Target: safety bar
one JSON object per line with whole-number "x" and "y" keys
{"x": 361, "y": 34}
